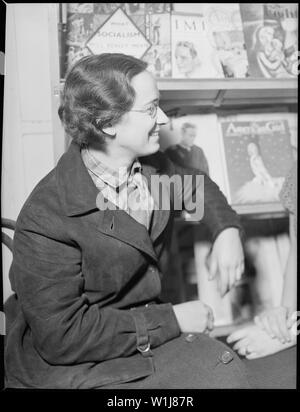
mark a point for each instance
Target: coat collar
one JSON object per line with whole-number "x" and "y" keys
{"x": 78, "y": 194}
{"x": 75, "y": 186}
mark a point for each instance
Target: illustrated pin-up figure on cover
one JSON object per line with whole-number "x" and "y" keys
{"x": 261, "y": 174}
{"x": 262, "y": 187}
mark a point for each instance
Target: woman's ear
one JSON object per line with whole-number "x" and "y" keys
{"x": 110, "y": 130}
{"x": 106, "y": 128}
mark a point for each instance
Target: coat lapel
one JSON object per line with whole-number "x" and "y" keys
{"x": 120, "y": 225}
{"x": 160, "y": 215}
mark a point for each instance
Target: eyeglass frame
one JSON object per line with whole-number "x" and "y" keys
{"x": 156, "y": 106}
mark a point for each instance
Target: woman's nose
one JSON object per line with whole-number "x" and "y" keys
{"x": 162, "y": 118}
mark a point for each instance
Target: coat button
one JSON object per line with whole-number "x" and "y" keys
{"x": 226, "y": 357}
{"x": 190, "y": 337}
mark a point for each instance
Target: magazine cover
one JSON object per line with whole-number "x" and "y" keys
{"x": 270, "y": 31}
{"x": 139, "y": 29}
{"x": 155, "y": 23}
{"x": 119, "y": 34}
{"x": 273, "y": 114}
{"x": 79, "y": 26}
{"x": 258, "y": 155}
{"x": 195, "y": 141}
{"x": 193, "y": 54}
{"x": 226, "y": 30}
{"x": 158, "y": 57}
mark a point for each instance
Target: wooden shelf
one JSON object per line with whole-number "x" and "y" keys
{"x": 264, "y": 210}
{"x": 206, "y": 84}
{"x": 226, "y": 92}
{"x": 257, "y": 211}
{"x": 210, "y": 93}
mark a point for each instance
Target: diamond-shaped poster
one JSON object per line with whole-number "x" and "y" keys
{"x": 119, "y": 34}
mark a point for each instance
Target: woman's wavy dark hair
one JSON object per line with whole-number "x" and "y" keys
{"x": 97, "y": 93}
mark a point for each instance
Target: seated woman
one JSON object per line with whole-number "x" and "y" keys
{"x": 276, "y": 329}
{"x": 88, "y": 247}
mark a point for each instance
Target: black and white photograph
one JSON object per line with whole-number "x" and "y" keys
{"x": 149, "y": 200}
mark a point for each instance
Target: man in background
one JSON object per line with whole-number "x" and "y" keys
{"x": 187, "y": 154}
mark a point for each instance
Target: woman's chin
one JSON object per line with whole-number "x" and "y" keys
{"x": 152, "y": 147}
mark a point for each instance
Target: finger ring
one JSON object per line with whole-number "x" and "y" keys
{"x": 247, "y": 351}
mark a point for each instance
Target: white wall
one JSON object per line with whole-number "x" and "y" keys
{"x": 32, "y": 136}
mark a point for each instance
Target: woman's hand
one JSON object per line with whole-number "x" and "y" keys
{"x": 194, "y": 316}
{"x": 253, "y": 342}
{"x": 226, "y": 259}
{"x": 276, "y": 322}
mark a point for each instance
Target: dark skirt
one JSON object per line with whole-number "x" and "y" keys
{"x": 206, "y": 363}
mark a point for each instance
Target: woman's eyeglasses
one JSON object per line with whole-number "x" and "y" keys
{"x": 151, "y": 110}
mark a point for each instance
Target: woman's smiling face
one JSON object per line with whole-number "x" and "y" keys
{"x": 137, "y": 132}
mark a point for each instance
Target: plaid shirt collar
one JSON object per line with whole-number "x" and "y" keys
{"x": 112, "y": 177}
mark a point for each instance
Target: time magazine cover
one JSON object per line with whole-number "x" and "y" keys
{"x": 193, "y": 54}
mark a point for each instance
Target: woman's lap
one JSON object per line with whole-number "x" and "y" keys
{"x": 196, "y": 361}
{"x": 192, "y": 361}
